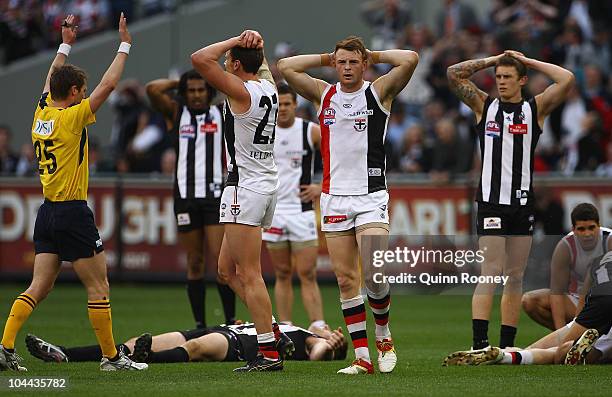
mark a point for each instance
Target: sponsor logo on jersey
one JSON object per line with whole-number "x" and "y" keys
{"x": 374, "y": 172}
{"x": 347, "y": 105}
{"x": 334, "y": 219}
{"x": 43, "y": 127}
{"x": 183, "y": 219}
{"x": 98, "y": 243}
{"x": 329, "y": 116}
{"x": 361, "y": 113}
{"x": 209, "y": 128}
{"x": 296, "y": 162}
{"x": 260, "y": 155}
{"x": 492, "y": 129}
{"x": 235, "y": 209}
{"x": 521, "y": 194}
{"x": 187, "y": 131}
{"x": 492, "y": 223}
{"x": 360, "y": 124}
{"x": 518, "y": 129}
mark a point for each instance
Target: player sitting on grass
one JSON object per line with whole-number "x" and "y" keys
{"x": 594, "y": 319}
{"x": 220, "y": 343}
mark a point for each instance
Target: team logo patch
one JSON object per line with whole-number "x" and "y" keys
{"x": 209, "y": 128}
{"x": 275, "y": 230}
{"x": 492, "y": 129}
{"x": 183, "y": 219}
{"x": 43, "y": 127}
{"x": 235, "y": 209}
{"x": 329, "y": 116}
{"x": 492, "y": 223}
{"x": 374, "y": 172}
{"x": 296, "y": 162}
{"x": 360, "y": 124}
{"x": 98, "y": 243}
{"x": 334, "y": 219}
{"x": 518, "y": 129}
{"x": 187, "y": 131}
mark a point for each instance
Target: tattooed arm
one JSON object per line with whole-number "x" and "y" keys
{"x": 459, "y": 80}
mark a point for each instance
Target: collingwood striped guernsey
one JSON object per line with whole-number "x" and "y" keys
{"x": 508, "y": 134}
{"x": 199, "y": 160}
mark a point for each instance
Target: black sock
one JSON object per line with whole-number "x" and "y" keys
{"x": 506, "y": 336}
{"x": 86, "y": 353}
{"x": 196, "y": 290}
{"x": 176, "y": 355}
{"x": 480, "y": 328}
{"x": 228, "y": 300}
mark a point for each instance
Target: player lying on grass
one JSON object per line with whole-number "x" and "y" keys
{"x": 220, "y": 343}
{"x": 594, "y": 319}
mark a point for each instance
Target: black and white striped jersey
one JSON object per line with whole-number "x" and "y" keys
{"x": 199, "y": 159}
{"x": 508, "y": 134}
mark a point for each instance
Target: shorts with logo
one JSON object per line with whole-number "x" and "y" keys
{"x": 244, "y": 206}
{"x": 504, "y": 220}
{"x": 298, "y": 227}
{"x": 194, "y": 214}
{"x": 67, "y": 229}
{"x": 341, "y": 213}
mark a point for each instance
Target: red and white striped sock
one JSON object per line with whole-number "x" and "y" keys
{"x": 380, "y": 304}
{"x": 355, "y": 318}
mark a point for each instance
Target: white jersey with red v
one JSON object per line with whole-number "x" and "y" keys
{"x": 353, "y": 129}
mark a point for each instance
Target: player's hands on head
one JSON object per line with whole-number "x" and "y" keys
{"x": 309, "y": 192}
{"x": 516, "y": 54}
{"x": 336, "y": 339}
{"x": 69, "y": 30}
{"x": 251, "y": 39}
{"x": 124, "y": 34}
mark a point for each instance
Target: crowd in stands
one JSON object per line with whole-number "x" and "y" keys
{"x": 429, "y": 131}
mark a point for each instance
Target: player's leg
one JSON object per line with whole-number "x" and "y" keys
{"x": 305, "y": 254}
{"x": 280, "y": 255}
{"x": 160, "y": 342}
{"x": 553, "y": 339}
{"x": 517, "y": 252}
{"x": 226, "y": 270}
{"x": 494, "y": 253}
{"x": 214, "y": 238}
{"x": 92, "y": 273}
{"x": 192, "y": 242}
{"x": 46, "y": 269}
{"x": 537, "y": 306}
{"x": 495, "y": 355}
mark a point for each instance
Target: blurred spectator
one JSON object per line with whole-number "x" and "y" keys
{"x": 92, "y": 15}
{"x": 144, "y": 151}
{"x": 151, "y": 7}
{"x": 415, "y": 155}
{"x": 168, "y": 162}
{"x": 447, "y": 153}
{"x": 590, "y": 153}
{"x": 455, "y": 16}
{"x": 597, "y": 97}
{"x": 18, "y": 28}
{"x": 8, "y": 159}
{"x": 605, "y": 169}
{"x": 549, "y": 213}
{"x": 27, "y": 164}
{"x": 398, "y": 123}
{"x": 572, "y": 112}
{"x": 387, "y": 19}
{"x": 128, "y": 103}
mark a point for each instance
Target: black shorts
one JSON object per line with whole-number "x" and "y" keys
{"x": 67, "y": 229}
{"x": 597, "y": 313}
{"x": 193, "y": 214}
{"x": 504, "y": 220}
{"x": 234, "y": 348}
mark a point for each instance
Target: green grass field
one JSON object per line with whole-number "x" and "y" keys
{"x": 425, "y": 329}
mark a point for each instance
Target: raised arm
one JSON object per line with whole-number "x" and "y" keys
{"x": 206, "y": 62}
{"x": 115, "y": 70}
{"x": 556, "y": 93}
{"x": 157, "y": 91}
{"x": 293, "y": 70}
{"x": 69, "y": 33}
{"x": 459, "y": 81}
{"x": 388, "y": 86}
{"x": 559, "y": 282}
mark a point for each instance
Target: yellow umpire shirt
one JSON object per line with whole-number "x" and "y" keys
{"x": 60, "y": 144}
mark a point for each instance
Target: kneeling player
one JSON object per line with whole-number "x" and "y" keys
{"x": 220, "y": 343}
{"x": 594, "y": 319}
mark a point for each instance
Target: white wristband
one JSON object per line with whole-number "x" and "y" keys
{"x": 64, "y": 49}
{"x": 124, "y": 47}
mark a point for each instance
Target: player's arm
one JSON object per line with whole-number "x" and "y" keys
{"x": 115, "y": 70}
{"x": 294, "y": 69}
{"x": 555, "y": 93}
{"x": 459, "y": 81}
{"x": 389, "y": 85}
{"x": 315, "y": 137}
{"x": 264, "y": 72}
{"x": 157, "y": 91}
{"x": 206, "y": 62}
{"x": 69, "y": 33}
{"x": 559, "y": 282}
